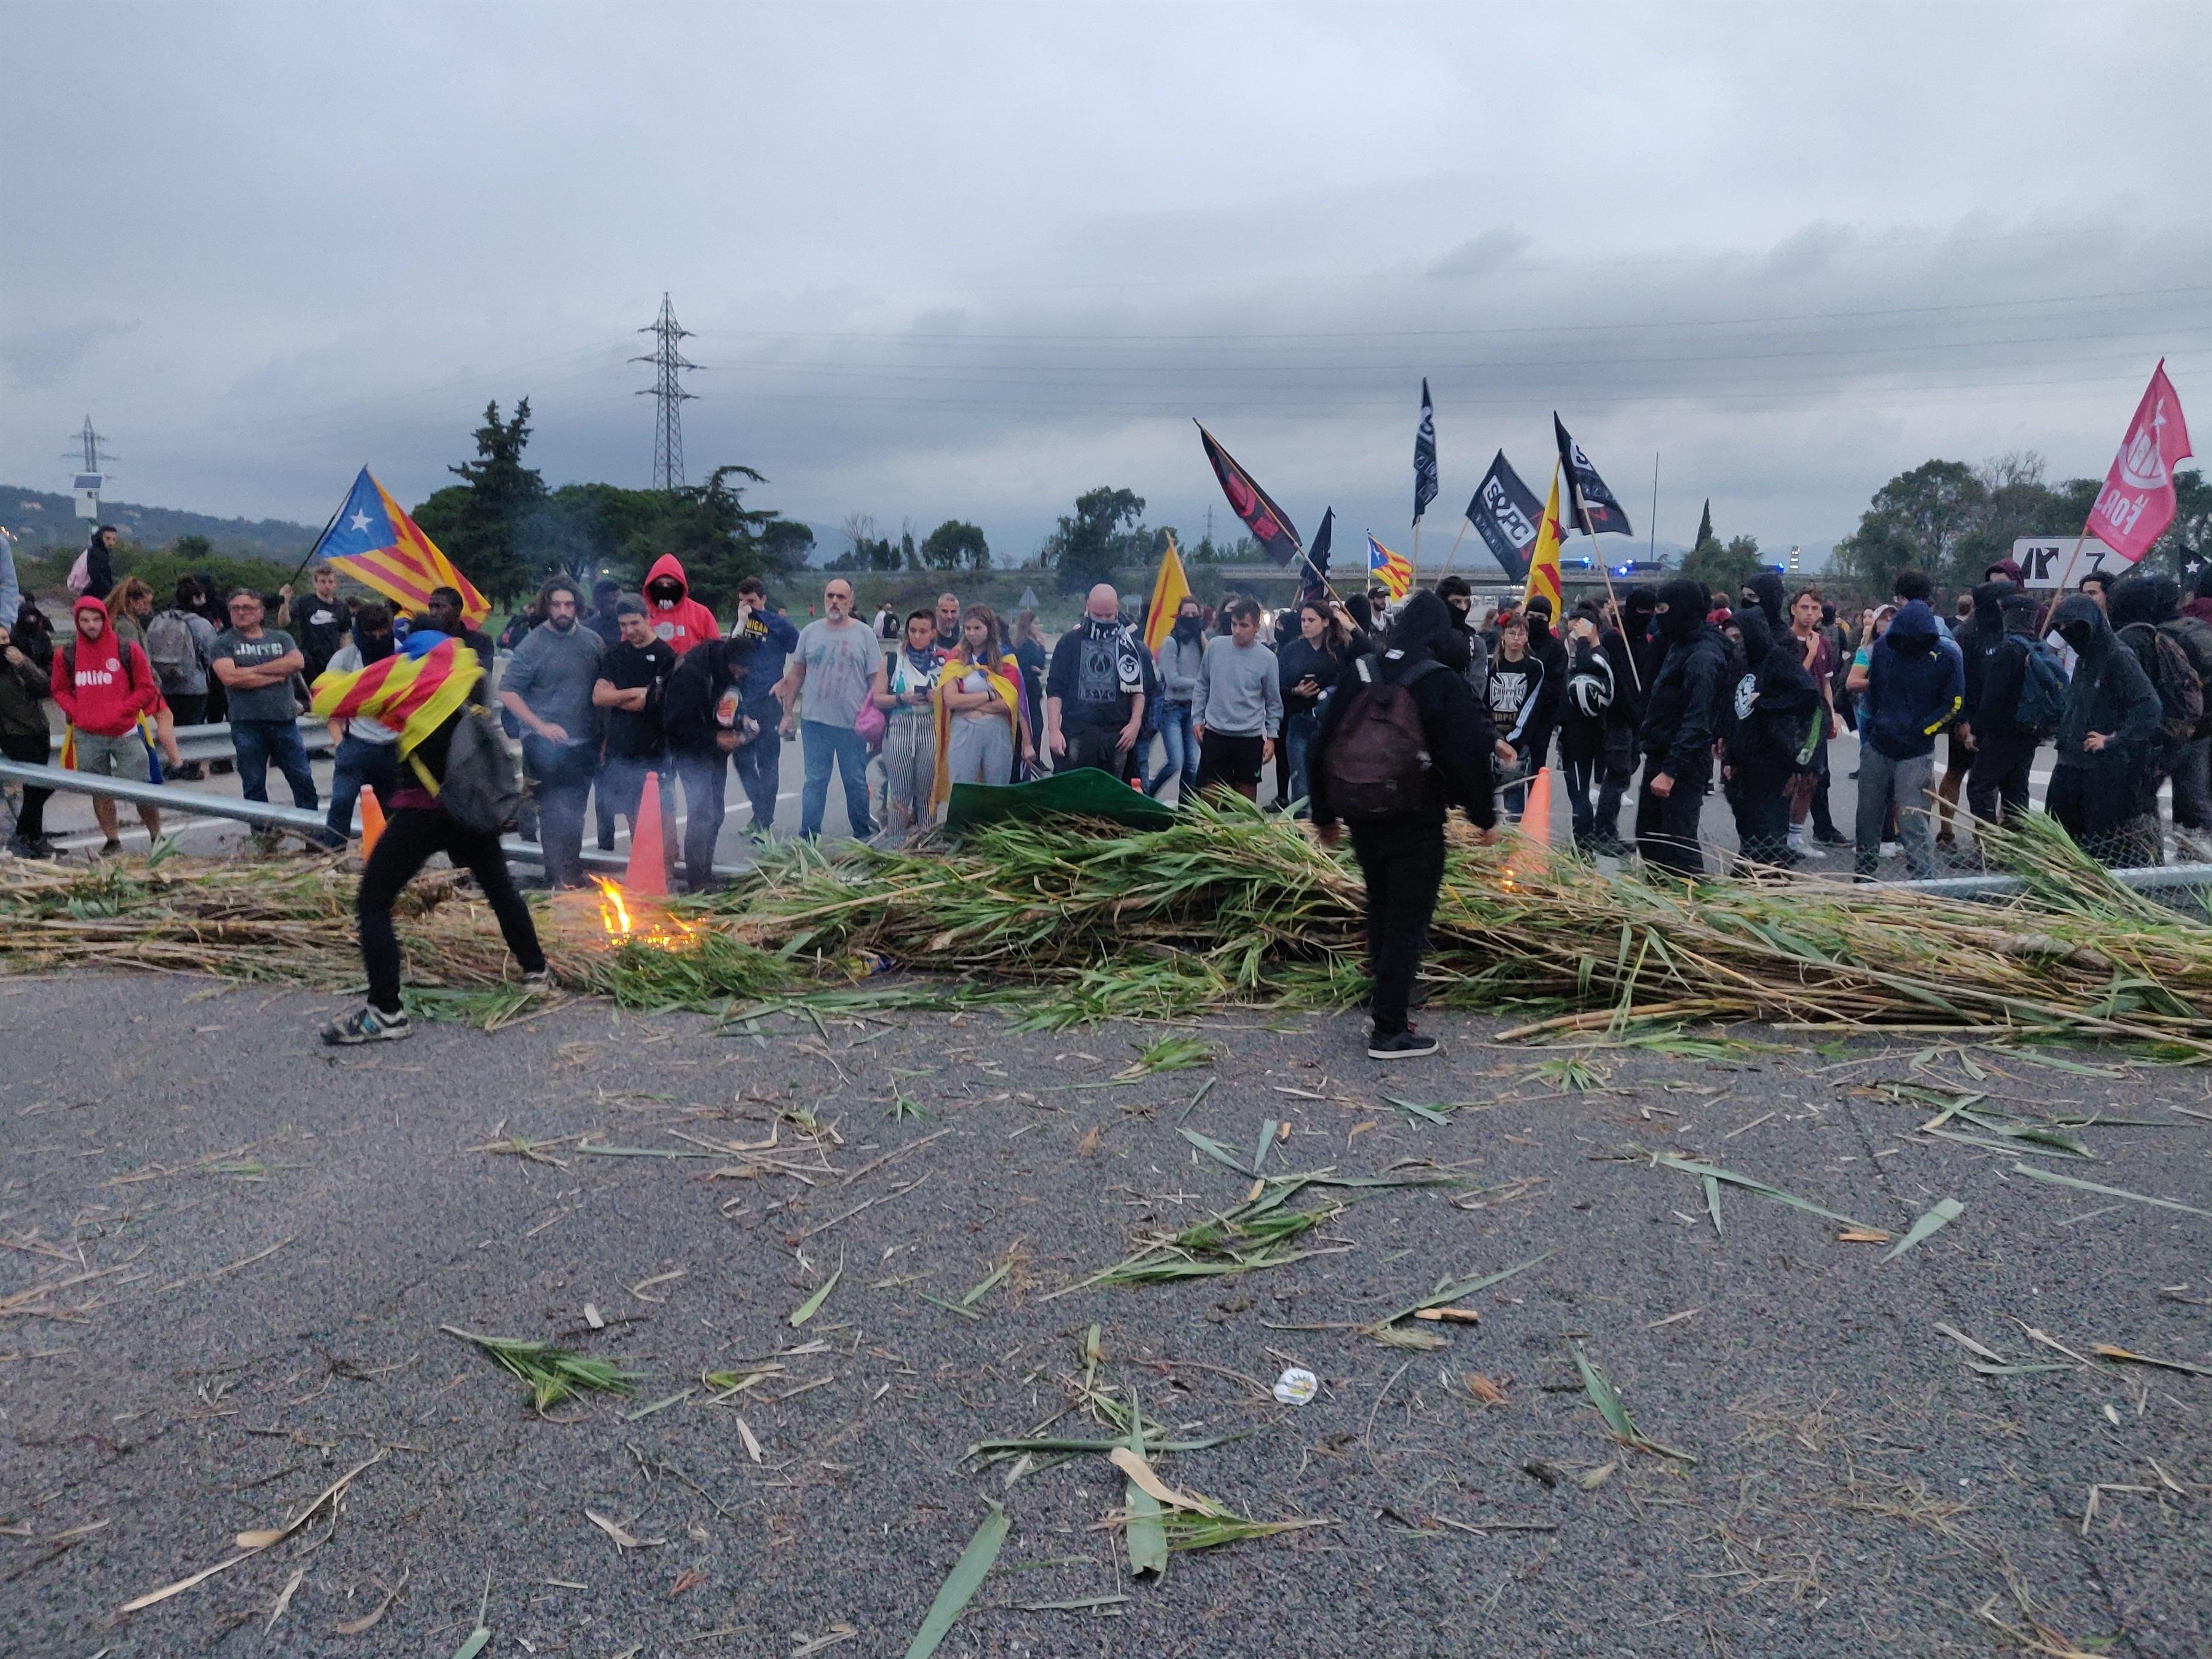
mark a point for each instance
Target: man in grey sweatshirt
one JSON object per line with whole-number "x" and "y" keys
{"x": 547, "y": 687}
{"x": 1236, "y": 706}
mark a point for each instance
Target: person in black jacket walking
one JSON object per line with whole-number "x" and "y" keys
{"x": 1681, "y": 717}
{"x": 2104, "y": 739}
{"x": 2004, "y": 749}
{"x": 1402, "y": 854}
{"x": 1597, "y": 731}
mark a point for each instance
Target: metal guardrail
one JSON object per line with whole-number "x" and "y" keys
{"x": 212, "y": 743}
{"x": 268, "y": 816}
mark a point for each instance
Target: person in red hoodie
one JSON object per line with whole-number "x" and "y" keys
{"x": 103, "y": 686}
{"x": 679, "y": 620}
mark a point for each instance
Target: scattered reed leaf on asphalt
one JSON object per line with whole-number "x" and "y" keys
{"x": 812, "y": 1305}
{"x": 1214, "y": 1149}
{"x": 1018, "y": 1445}
{"x": 1243, "y": 1239}
{"x": 1946, "y": 1212}
{"x": 745, "y": 1434}
{"x": 552, "y": 1374}
{"x": 1446, "y": 1292}
{"x": 2107, "y": 1351}
{"x": 1713, "y": 1204}
{"x": 1215, "y": 1525}
{"x": 1266, "y": 1143}
{"x": 1596, "y": 1477}
{"x": 538, "y": 1151}
{"x": 2031, "y": 1369}
{"x": 367, "y": 1621}
{"x": 965, "y": 1307}
{"x": 1485, "y": 1390}
{"x": 658, "y": 1406}
{"x": 960, "y": 1584}
{"x": 903, "y": 1108}
{"x": 1713, "y": 1172}
{"x": 1143, "y": 1533}
{"x": 1174, "y": 1054}
{"x": 1614, "y": 1411}
{"x": 623, "y": 1539}
{"x": 1141, "y": 1474}
{"x": 1969, "y": 1344}
{"x": 1862, "y": 1236}
{"x": 284, "y": 1598}
{"x": 2035, "y": 1174}
{"x": 1436, "y": 1112}
{"x": 1572, "y": 1074}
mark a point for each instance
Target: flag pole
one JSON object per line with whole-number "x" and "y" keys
{"x": 1453, "y": 553}
{"x": 1620, "y": 617}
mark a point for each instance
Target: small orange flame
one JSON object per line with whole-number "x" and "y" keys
{"x": 646, "y": 928}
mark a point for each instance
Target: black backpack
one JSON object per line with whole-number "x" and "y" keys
{"x": 480, "y": 791}
{"x": 2194, "y": 635}
{"x": 1377, "y": 763}
{"x": 2180, "y": 691}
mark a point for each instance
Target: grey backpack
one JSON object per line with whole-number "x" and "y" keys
{"x": 480, "y": 791}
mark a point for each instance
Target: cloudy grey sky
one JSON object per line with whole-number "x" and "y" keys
{"x": 971, "y": 260}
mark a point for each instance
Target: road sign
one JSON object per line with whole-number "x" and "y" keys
{"x": 2043, "y": 560}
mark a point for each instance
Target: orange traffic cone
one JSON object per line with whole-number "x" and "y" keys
{"x": 372, "y": 822}
{"x": 1536, "y": 821}
{"x": 646, "y": 873}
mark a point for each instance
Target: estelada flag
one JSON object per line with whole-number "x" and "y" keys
{"x": 1392, "y": 569}
{"x": 411, "y": 696}
{"x": 2136, "y": 502}
{"x": 1596, "y": 512}
{"x": 374, "y": 541}
{"x": 1544, "y": 562}
{"x": 1170, "y": 588}
{"x": 1504, "y": 513}
{"x": 1270, "y": 525}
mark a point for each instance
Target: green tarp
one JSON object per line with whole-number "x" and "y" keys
{"x": 1086, "y": 792}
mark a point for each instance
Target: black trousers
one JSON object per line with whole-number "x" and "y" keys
{"x": 1402, "y": 859}
{"x": 1762, "y": 816}
{"x": 1091, "y": 745}
{"x": 410, "y": 837}
{"x": 2104, "y": 814}
{"x": 32, "y": 750}
{"x": 1997, "y": 788}
{"x": 1666, "y": 829}
{"x": 1225, "y": 757}
{"x": 705, "y": 780}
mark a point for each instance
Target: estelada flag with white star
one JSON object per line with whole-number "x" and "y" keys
{"x": 1389, "y": 571}
{"x": 374, "y": 541}
{"x": 411, "y": 696}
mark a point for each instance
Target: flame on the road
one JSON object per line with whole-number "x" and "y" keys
{"x": 642, "y": 927}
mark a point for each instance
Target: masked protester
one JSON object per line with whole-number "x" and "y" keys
{"x": 1915, "y": 688}
{"x": 2105, "y": 737}
{"x": 1177, "y": 661}
{"x": 1775, "y": 721}
{"x": 2143, "y": 611}
{"x": 1681, "y": 717}
{"x": 1597, "y": 732}
{"x": 1363, "y": 770}
{"x": 2005, "y": 737}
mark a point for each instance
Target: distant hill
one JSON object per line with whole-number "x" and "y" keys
{"x": 39, "y": 519}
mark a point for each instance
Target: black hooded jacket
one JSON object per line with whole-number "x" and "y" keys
{"x": 1775, "y": 704}
{"x": 1994, "y": 710}
{"x": 1772, "y": 595}
{"x": 1981, "y": 636}
{"x": 2109, "y": 694}
{"x": 1682, "y": 710}
{"x": 1458, "y": 729}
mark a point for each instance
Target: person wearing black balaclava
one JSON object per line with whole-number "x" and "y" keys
{"x": 1767, "y": 593}
{"x": 1459, "y": 599}
{"x": 2139, "y": 608}
{"x": 1399, "y": 842}
{"x": 1681, "y": 716}
{"x": 1546, "y": 647}
{"x": 1639, "y": 606}
{"x": 2105, "y": 737}
{"x": 1775, "y": 721}
{"x": 2004, "y": 748}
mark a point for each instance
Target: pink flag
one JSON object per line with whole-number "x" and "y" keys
{"x": 2137, "y": 501}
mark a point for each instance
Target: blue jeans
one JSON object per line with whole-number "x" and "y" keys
{"x": 560, "y": 774}
{"x": 1179, "y": 754}
{"x": 826, "y": 745}
{"x": 359, "y": 761}
{"x": 260, "y": 742}
{"x": 1298, "y": 733}
{"x": 759, "y": 764}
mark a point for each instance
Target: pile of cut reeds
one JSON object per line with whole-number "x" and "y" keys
{"x": 1077, "y": 920}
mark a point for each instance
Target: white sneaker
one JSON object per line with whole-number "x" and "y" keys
{"x": 1891, "y": 849}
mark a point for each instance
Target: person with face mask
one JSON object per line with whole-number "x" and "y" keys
{"x": 2104, "y": 735}
{"x": 1459, "y": 599}
{"x": 1915, "y": 688}
{"x": 1776, "y": 721}
{"x": 2005, "y": 743}
{"x": 548, "y": 687}
{"x": 1544, "y": 645}
{"x": 2143, "y": 611}
{"x": 678, "y": 621}
{"x": 1681, "y": 716}
{"x": 364, "y": 750}
{"x": 1177, "y": 661}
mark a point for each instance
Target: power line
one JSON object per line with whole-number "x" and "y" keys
{"x": 667, "y": 392}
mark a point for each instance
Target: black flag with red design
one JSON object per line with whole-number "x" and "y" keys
{"x": 1270, "y": 525}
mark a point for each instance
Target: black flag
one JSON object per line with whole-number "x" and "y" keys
{"x": 1425, "y": 455}
{"x": 1270, "y": 525}
{"x": 1594, "y": 511}
{"x": 1505, "y": 515}
{"x": 1317, "y": 566}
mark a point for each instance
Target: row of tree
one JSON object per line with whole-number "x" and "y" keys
{"x": 503, "y": 527}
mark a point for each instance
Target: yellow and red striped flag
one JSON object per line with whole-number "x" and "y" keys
{"x": 411, "y": 696}
{"x": 374, "y": 541}
{"x": 1544, "y": 561}
{"x": 1170, "y": 589}
{"x": 1392, "y": 570}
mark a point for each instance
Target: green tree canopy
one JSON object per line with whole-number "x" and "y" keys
{"x": 955, "y": 545}
{"x": 477, "y": 522}
{"x": 1723, "y": 568}
{"x": 1105, "y": 529}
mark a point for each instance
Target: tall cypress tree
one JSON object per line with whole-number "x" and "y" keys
{"x": 1705, "y": 525}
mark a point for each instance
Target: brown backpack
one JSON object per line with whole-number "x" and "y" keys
{"x": 1377, "y": 763}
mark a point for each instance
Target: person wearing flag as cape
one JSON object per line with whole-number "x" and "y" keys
{"x": 981, "y": 724}
{"x": 421, "y": 693}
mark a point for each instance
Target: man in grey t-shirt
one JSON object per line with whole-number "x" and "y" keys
{"x": 256, "y": 665}
{"x": 827, "y": 680}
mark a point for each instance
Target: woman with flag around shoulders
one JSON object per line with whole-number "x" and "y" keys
{"x": 421, "y": 692}
{"x": 982, "y": 722}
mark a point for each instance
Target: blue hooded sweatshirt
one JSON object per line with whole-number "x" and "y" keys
{"x": 1914, "y": 689}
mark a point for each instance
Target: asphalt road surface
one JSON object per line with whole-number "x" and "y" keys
{"x": 229, "y": 1255}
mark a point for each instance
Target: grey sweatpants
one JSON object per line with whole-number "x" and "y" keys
{"x": 981, "y": 751}
{"x": 1905, "y": 783}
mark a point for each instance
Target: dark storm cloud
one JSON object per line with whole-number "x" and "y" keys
{"x": 946, "y": 262}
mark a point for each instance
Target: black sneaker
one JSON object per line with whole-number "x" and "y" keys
{"x": 1408, "y": 1044}
{"x": 539, "y": 979}
{"x": 368, "y": 1024}
{"x": 1832, "y": 839}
